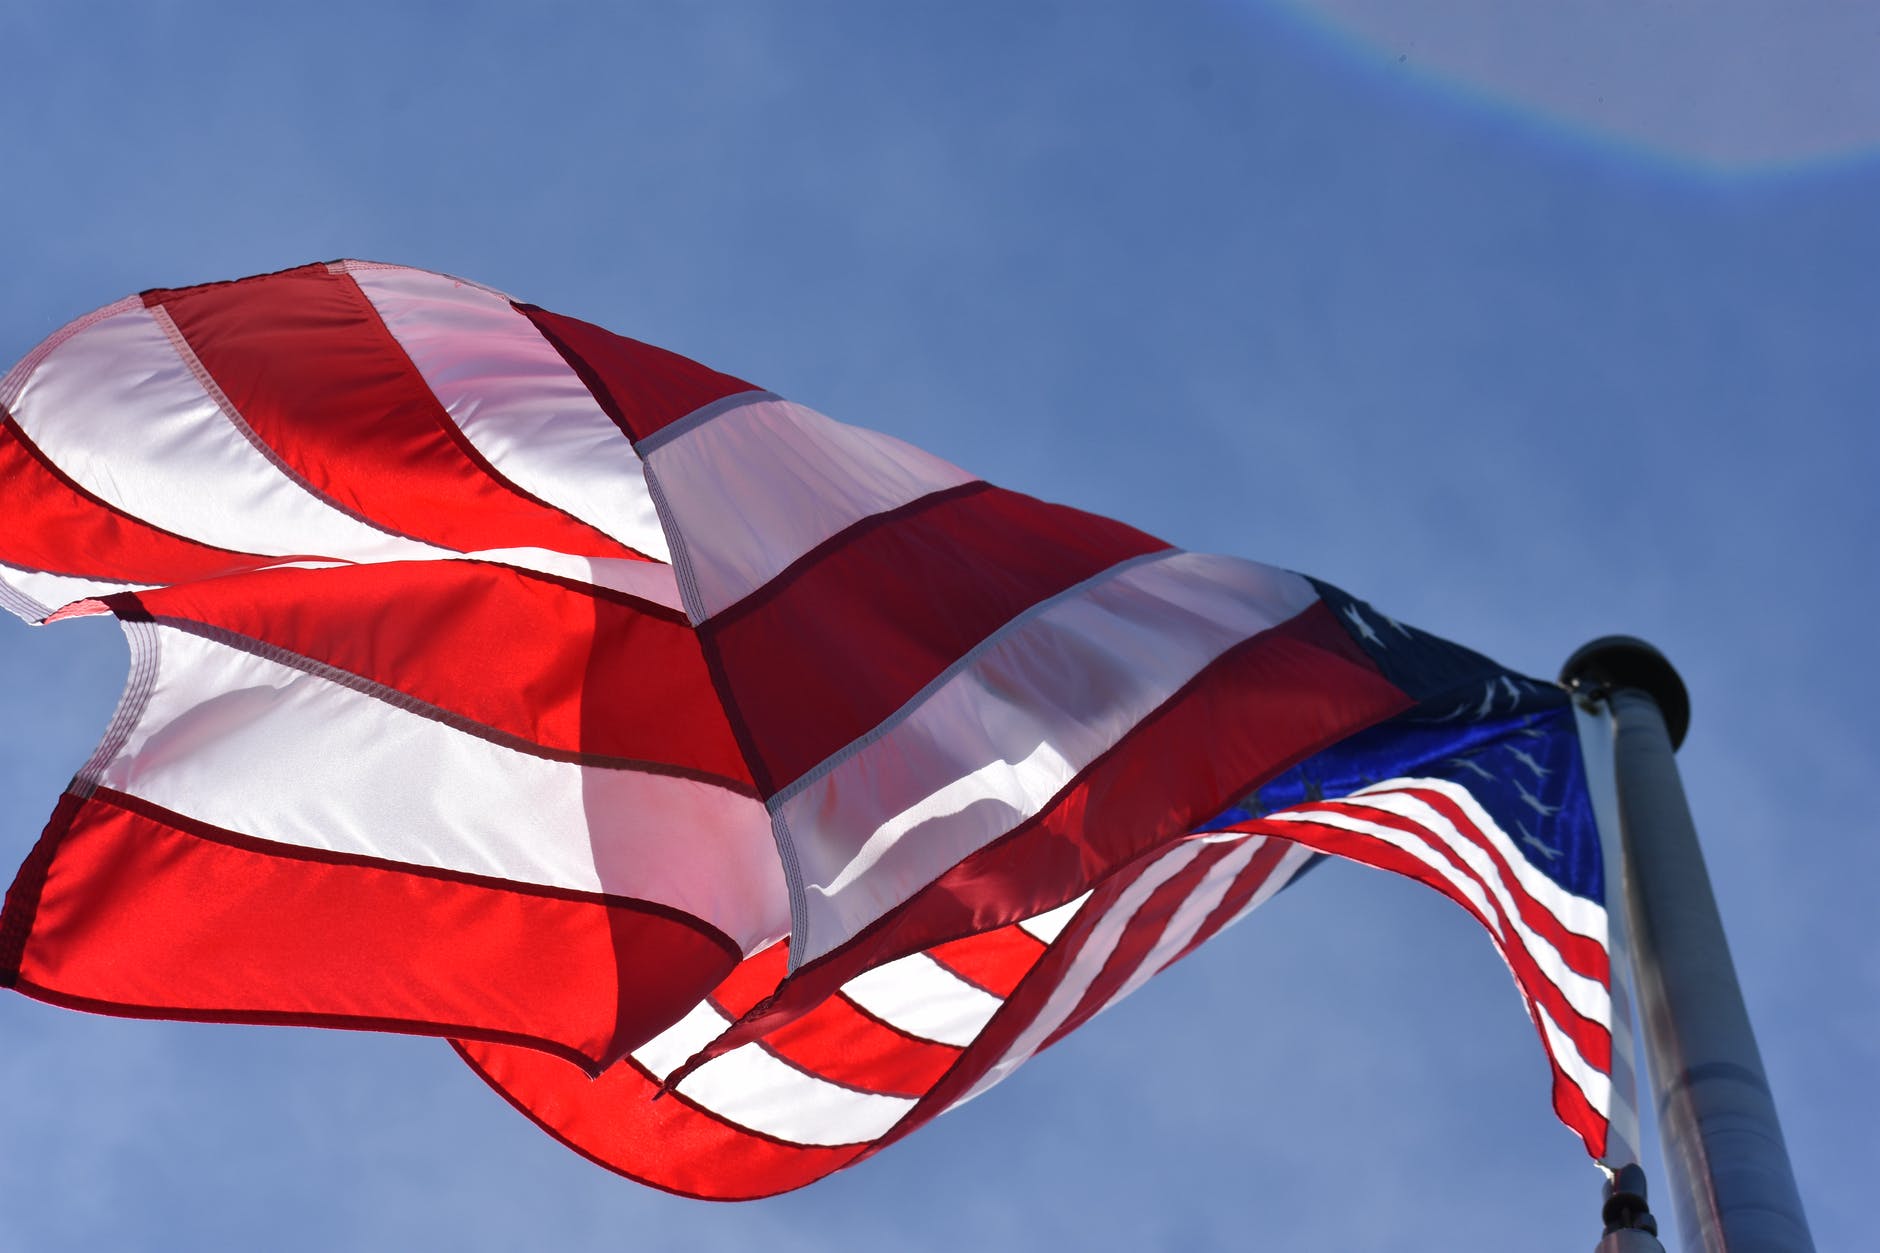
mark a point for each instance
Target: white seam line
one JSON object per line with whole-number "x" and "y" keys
{"x": 698, "y": 417}
{"x": 138, "y": 687}
{"x": 187, "y": 355}
{"x": 18, "y": 603}
{"x": 676, "y": 547}
{"x": 14, "y": 382}
{"x": 1005, "y": 631}
{"x": 799, "y": 897}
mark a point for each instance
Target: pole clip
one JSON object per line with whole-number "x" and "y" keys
{"x": 1625, "y": 1208}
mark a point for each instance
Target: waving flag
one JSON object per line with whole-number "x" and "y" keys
{"x": 500, "y": 678}
{"x": 1479, "y": 792}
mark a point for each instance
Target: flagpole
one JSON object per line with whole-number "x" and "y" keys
{"x": 1730, "y": 1180}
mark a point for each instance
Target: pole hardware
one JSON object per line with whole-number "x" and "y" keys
{"x": 1731, "y": 1184}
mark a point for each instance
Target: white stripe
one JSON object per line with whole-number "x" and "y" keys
{"x": 1179, "y": 932}
{"x": 37, "y": 595}
{"x": 1195, "y": 910}
{"x": 648, "y": 580}
{"x": 1291, "y": 862}
{"x": 117, "y": 410}
{"x": 1417, "y": 847}
{"x": 516, "y": 400}
{"x": 1085, "y": 966}
{"x": 757, "y": 1091}
{"x": 1025, "y": 714}
{"x": 16, "y": 600}
{"x": 1588, "y": 996}
{"x": 762, "y": 483}
{"x": 257, "y": 747}
{"x": 16, "y": 377}
{"x": 1576, "y": 913}
{"x": 674, "y": 1046}
{"x": 1046, "y": 927}
{"x": 920, "y": 997}
{"x": 1017, "y": 785}
{"x": 1187, "y": 919}
{"x": 1592, "y": 1000}
{"x": 1201, "y": 903}
{"x": 75, "y": 589}
{"x": 1592, "y": 1083}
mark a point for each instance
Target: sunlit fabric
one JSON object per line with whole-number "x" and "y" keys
{"x": 499, "y": 678}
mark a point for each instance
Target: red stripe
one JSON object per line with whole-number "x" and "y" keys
{"x": 1572, "y": 1108}
{"x": 22, "y": 899}
{"x": 53, "y": 524}
{"x": 678, "y": 1147}
{"x": 1140, "y": 935}
{"x": 1025, "y": 1002}
{"x": 751, "y": 1170}
{"x": 1587, "y": 1033}
{"x": 669, "y": 1143}
{"x": 1594, "y": 1040}
{"x": 672, "y": 1144}
{"x": 755, "y": 978}
{"x": 641, "y": 387}
{"x": 1249, "y": 881}
{"x": 304, "y": 359}
{"x": 838, "y": 1042}
{"x": 583, "y": 676}
{"x": 148, "y": 914}
{"x": 841, "y": 639}
{"x": 689, "y": 1151}
{"x": 995, "y": 962}
{"x": 1180, "y": 766}
{"x": 1581, "y": 953}
{"x": 1021, "y": 1008}
{"x": 835, "y": 1039}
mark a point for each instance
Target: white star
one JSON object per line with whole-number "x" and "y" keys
{"x": 1545, "y": 811}
{"x": 1539, "y": 770}
{"x": 1364, "y": 627}
{"x": 1541, "y": 846}
{"x": 1466, "y": 764}
{"x": 1488, "y": 701}
{"x": 1514, "y": 693}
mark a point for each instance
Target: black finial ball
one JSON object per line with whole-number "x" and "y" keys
{"x": 1626, "y": 661}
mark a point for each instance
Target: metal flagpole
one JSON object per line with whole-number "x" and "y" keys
{"x": 1729, "y": 1170}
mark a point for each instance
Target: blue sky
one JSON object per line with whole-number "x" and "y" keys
{"x": 1525, "y": 333}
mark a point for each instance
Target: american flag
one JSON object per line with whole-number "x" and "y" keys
{"x": 500, "y": 678}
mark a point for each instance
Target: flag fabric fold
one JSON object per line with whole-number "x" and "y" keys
{"x": 500, "y": 678}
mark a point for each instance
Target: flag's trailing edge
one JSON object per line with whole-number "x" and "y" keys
{"x": 500, "y": 678}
